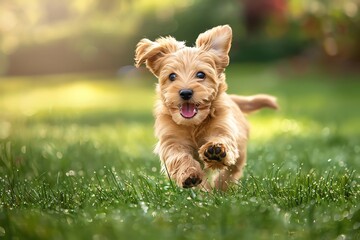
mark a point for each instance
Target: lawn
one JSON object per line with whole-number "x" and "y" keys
{"x": 76, "y": 161}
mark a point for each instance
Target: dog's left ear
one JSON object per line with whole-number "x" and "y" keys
{"x": 218, "y": 41}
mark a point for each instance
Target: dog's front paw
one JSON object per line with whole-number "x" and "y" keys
{"x": 216, "y": 155}
{"x": 191, "y": 181}
{"x": 215, "y": 152}
{"x": 191, "y": 178}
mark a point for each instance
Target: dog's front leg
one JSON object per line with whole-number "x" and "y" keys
{"x": 227, "y": 154}
{"x": 179, "y": 164}
{"x": 224, "y": 142}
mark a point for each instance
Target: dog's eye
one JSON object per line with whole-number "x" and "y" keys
{"x": 172, "y": 76}
{"x": 200, "y": 75}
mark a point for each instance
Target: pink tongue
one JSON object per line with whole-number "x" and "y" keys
{"x": 188, "y": 110}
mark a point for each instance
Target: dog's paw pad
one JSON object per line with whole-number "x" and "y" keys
{"x": 215, "y": 152}
{"x": 191, "y": 181}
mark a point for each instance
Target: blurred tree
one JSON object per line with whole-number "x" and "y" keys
{"x": 45, "y": 36}
{"x": 257, "y": 13}
{"x": 333, "y": 25}
{"x": 48, "y": 36}
{"x": 268, "y": 32}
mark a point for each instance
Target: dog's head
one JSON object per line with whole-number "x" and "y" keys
{"x": 190, "y": 78}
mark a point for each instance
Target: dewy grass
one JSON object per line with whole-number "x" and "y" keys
{"x": 102, "y": 194}
{"x": 88, "y": 172}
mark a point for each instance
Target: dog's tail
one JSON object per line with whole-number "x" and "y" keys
{"x": 249, "y": 104}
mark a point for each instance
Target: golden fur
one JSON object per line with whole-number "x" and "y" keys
{"x": 216, "y": 133}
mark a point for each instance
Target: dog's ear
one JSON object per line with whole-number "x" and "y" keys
{"x": 218, "y": 41}
{"x": 152, "y": 53}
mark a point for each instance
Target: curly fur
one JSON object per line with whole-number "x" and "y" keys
{"x": 219, "y": 125}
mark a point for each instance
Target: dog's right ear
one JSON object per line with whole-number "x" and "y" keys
{"x": 153, "y": 53}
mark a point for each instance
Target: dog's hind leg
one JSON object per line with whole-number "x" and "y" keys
{"x": 230, "y": 175}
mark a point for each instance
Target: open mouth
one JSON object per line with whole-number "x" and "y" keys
{"x": 188, "y": 110}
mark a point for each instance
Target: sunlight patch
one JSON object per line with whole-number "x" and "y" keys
{"x": 5, "y": 129}
{"x": 266, "y": 128}
{"x": 80, "y": 95}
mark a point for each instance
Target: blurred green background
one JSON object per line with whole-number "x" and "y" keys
{"x": 76, "y": 124}
{"x": 49, "y": 36}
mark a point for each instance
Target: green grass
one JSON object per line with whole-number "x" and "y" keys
{"x": 76, "y": 161}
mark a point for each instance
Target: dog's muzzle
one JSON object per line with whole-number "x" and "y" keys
{"x": 187, "y": 109}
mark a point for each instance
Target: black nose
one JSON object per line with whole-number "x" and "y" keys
{"x": 186, "y": 94}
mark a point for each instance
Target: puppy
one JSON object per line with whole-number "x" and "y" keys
{"x": 198, "y": 125}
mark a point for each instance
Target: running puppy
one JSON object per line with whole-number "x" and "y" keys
{"x": 199, "y": 126}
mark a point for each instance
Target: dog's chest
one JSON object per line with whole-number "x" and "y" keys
{"x": 198, "y": 135}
